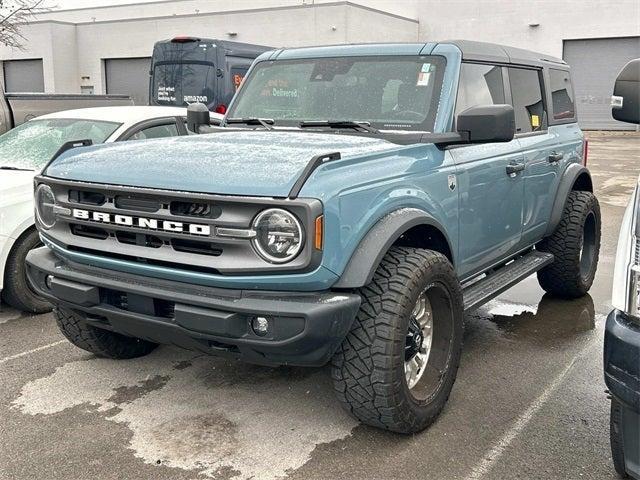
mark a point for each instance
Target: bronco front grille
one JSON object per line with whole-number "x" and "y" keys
{"x": 171, "y": 229}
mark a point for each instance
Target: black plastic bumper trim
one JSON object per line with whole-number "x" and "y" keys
{"x": 306, "y": 328}
{"x": 622, "y": 359}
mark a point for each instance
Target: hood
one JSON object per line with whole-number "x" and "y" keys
{"x": 235, "y": 163}
{"x": 15, "y": 185}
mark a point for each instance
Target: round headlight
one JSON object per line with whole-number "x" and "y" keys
{"x": 45, "y": 201}
{"x": 278, "y": 235}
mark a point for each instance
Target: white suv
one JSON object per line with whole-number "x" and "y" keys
{"x": 27, "y": 148}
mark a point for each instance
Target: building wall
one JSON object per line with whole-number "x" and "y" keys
{"x": 500, "y": 21}
{"x": 72, "y": 52}
{"x": 73, "y": 43}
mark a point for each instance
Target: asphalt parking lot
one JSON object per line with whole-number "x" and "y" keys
{"x": 529, "y": 401}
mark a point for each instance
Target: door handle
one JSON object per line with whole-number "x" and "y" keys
{"x": 555, "y": 157}
{"x": 514, "y": 168}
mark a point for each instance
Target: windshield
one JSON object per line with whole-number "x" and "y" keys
{"x": 392, "y": 93}
{"x": 181, "y": 84}
{"x": 32, "y": 144}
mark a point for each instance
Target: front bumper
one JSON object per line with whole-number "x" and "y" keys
{"x": 622, "y": 376}
{"x": 622, "y": 359}
{"x": 304, "y": 328}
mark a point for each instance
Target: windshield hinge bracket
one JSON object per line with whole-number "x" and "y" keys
{"x": 314, "y": 163}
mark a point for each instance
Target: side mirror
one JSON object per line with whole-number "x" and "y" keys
{"x": 487, "y": 124}
{"x": 625, "y": 102}
{"x": 197, "y": 116}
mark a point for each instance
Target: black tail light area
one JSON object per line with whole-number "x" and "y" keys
{"x": 184, "y": 39}
{"x": 87, "y": 197}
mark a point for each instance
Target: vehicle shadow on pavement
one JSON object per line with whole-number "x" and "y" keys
{"x": 552, "y": 321}
{"x": 215, "y": 416}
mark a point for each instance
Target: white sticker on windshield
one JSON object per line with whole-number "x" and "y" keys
{"x": 424, "y": 75}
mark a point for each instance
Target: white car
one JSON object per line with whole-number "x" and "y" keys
{"x": 27, "y": 148}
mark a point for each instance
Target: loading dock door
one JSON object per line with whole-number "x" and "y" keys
{"x": 129, "y": 76}
{"x": 595, "y": 63}
{"x": 23, "y": 76}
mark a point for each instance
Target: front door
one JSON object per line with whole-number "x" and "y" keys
{"x": 489, "y": 179}
{"x": 491, "y": 192}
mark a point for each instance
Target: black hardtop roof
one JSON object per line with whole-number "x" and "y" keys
{"x": 493, "y": 52}
{"x": 471, "y": 51}
{"x": 221, "y": 43}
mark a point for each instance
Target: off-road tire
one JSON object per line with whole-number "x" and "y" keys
{"x": 615, "y": 435}
{"x": 565, "y": 277}
{"x": 368, "y": 368}
{"x": 102, "y": 343}
{"x": 17, "y": 292}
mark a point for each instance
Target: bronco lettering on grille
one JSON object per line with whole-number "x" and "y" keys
{"x": 142, "y": 222}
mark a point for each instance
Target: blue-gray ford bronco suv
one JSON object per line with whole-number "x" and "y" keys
{"x": 354, "y": 203}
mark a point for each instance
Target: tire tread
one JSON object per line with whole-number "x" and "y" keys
{"x": 364, "y": 369}
{"x": 102, "y": 343}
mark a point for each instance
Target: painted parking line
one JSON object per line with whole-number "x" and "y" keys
{"x": 29, "y": 352}
{"x": 492, "y": 456}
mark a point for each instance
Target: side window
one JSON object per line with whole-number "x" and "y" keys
{"x": 479, "y": 85}
{"x": 562, "y": 94}
{"x": 526, "y": 95}
{"x": 157, "y": 131}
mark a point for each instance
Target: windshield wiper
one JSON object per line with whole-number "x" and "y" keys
{"x": 265, "y": 122}
{"x": 362, "y": 126}
{"x": 10, "y": 167}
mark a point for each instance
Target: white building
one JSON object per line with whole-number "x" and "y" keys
{"x": 107, "y": 49}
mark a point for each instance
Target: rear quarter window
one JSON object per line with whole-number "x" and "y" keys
{"x": 526, "y": 97}
{"x": 563, "y": 102}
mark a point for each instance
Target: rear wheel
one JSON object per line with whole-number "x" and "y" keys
{"x": 102, "y": 343}
{"x": 17, "y": 292}
{"x": 575, "y": 245}
{"x": 396, "y": 367}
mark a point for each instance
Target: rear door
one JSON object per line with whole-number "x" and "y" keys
{"x": 236, "y": 70}
{"x": 491, "y": 200}
{"x": 539, "y": 147}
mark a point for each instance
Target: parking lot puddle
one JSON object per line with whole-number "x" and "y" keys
{"x": 215, "y": 417}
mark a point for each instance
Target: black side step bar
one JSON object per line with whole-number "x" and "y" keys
{"x": 314, "y": 163}
{"x": 493, "y": 284}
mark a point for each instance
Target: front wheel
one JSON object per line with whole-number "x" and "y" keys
{"x": 575, "y": 245}
{"x": 102, "y": 343}
{"x": 396, "y": 367}
{"x": 17, "y": 291}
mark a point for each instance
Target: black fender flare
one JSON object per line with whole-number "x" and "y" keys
{"x": 569, "y": 177}
{"x": 368, "y": 254}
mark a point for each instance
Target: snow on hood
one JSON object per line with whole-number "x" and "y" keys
{"x": 235, "y": 163}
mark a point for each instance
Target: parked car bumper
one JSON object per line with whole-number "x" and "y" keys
{"x": 622, "y": 376}
{"x": 304, "y": 328}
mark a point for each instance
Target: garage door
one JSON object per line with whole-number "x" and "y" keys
{"x": 595, "y": 63}
{"x": 23, "y": 75}
{"x": 129, "y": 76}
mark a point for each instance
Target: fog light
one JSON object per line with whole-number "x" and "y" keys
{"x": 47, "y": 281}
{"x": 260, "y": 326}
